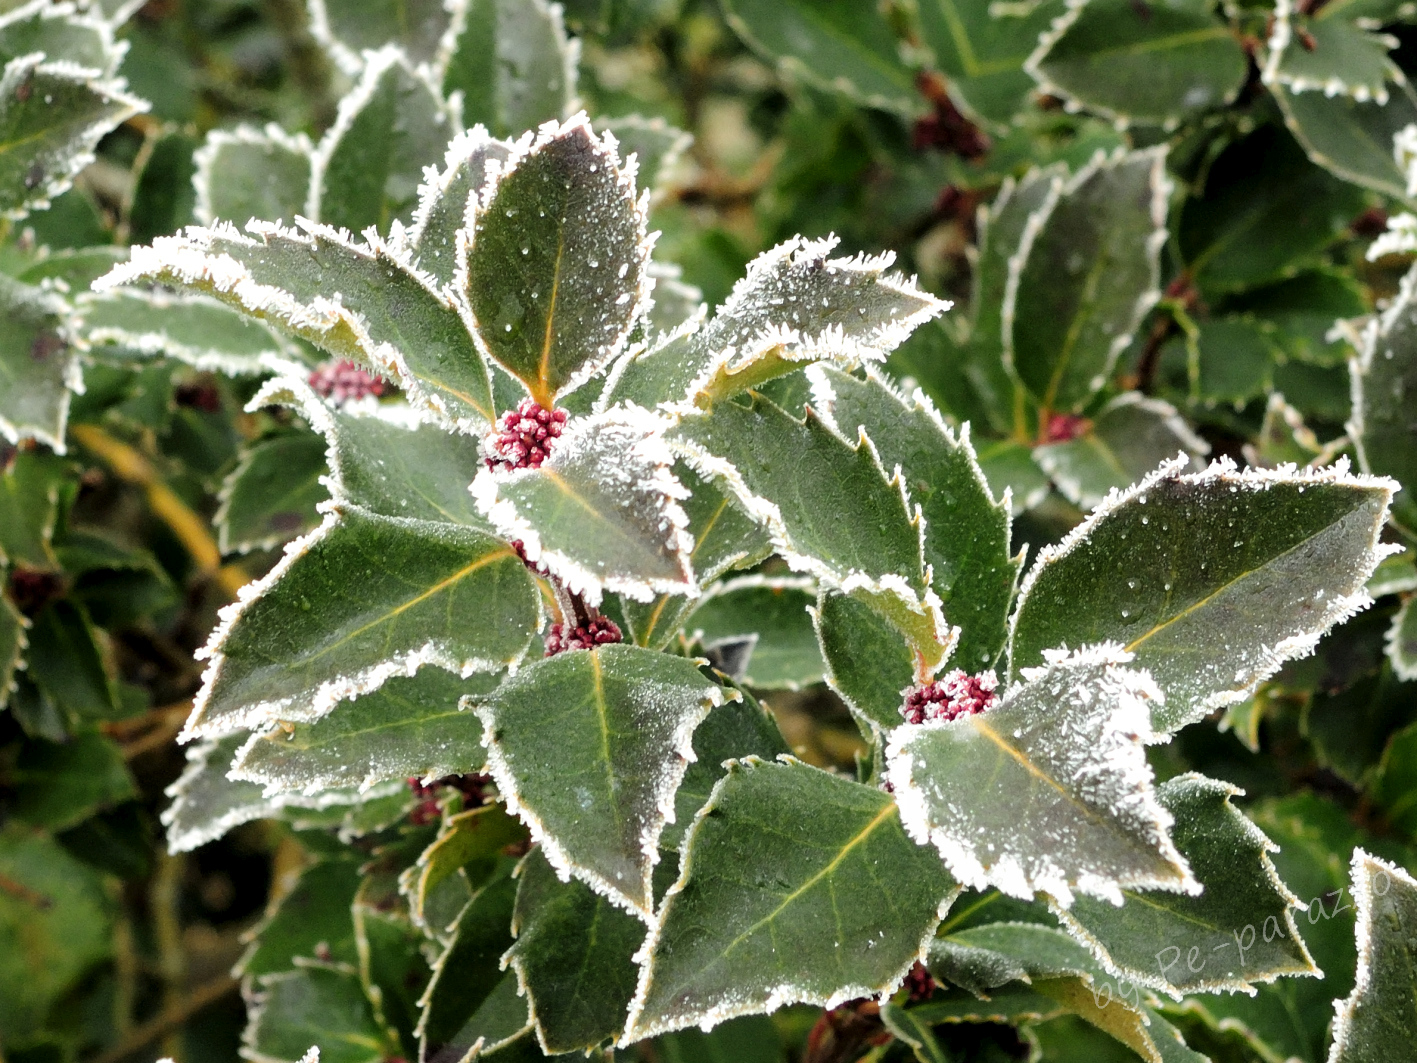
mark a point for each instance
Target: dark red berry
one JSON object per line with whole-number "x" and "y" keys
{"x": 201, "y": 395}
{"x": 343, "y": 381}
{"x": 957, "y": 694}
{"x": 598, "y": 631}
{"x": 920, "y": 983}
{"x": 522, "y": 437}
{"x": 1062, "y": 427}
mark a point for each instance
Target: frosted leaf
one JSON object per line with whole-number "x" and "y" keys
{"x": 63, "y": 33}
{"x": 1384, "y": 379}
{"x": 656, "y": 145}
{"x": 348, "y": 30}
{"x": 38, "y": 369}
{"x": 297, "y": 642}
{"x": 447, "y": 197}
{"x": 783, "y": 879}
{"x": 675, "y": 302}
{"x": 475, "y": 834}
{"x": 272, "y": 494}
{"x": 603, "y": 512}
{"x": 1400, "y": 237}
{"x": 1050, "y": 790}
{"x": 1212, "y": 579}
{"x": 588, "y": 747}
{"x": 358, "y": 301}
{"x": 249, "y": 173}
{"x": 1332, "y": 52}
{"x": 408, "y": 728}
{"x": 794, "y": 306}
{"x": 555, "y": 267}
{"x": 771, "y": 612}
{"x": 1378, "y": 1014}
{"x": 1402, "y": 642}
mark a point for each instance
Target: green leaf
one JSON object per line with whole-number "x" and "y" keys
{"x": 773, "y": 613}
{"x": 163, "y": 195}
{"x": 913, "y": 1031}
{"x": 654, "y": 143}
{"x": 983, "y": 958}
{"x": 782, "y": 881}
{"x": 1241, "y": 927}
{"x": 1264, "y": 208}
{"x": 389, "y": 316}
{"x": 966, "y": 531}
{"x": 513, "y": 64}
{"x": 836, "y": 45}
{"x": 829, "y": 507}
{"x": 313, "y": 918}
{"x": 1212, "y": 579}
{"x": 1382, "y": 376}
{"x": 314, "y": 1005}
{"x": 1379, "y": 1011}
{"x": 867, "y": 662}
{"x": 982, "y": 51}
{"x": 470, "y": 839}
{"x": 65, "y": 661}
{"x": 444, "y": 201}
{"x": 465, "y": 997}
{"x": 1395, "y": 574}
{"x": 298, "y": 642}
{"x": 271, "y": 495}
{"x": 1402, "y": 642}
{"x": 392, "y": 968}
{"x": 574, "y": 958}
{"x": 31, "y": 489}
{"x": 37, "y": 372}
{"x": 55, "y": 918}
{"x": 1328, "y": 51}
{"x": 195, "y": 331}
{"x": 602, "y": 512}
{"x": 1131, "y": 436}
{"x": 1352, "y": 139}
{"x": 1392, "y": 785}
{"x": 725, "y": 538}
{"x": 249, "y": 173}
{"x": 52, "y": 116}
{"x": 369, "y": 165}
{"x": 1155, "y": 65}
{"x": 1301, "y": 311}
{"x": 750, "y": 1039}
{"x": 556, "y": 267}
{"x": 1231, "y": 360}
{"x": 1013, "y": 474}
{"x": 409, "y": 727}
{"x": 587, "y": 748}
{"x": 348, "y": 28}
{"x": 1066, "y": 748}
{"x": 12, "y": 647}
{"x": 794, "y": 306}
{"x": 1085, "y": 275}
{"x": 61, "y": 33}
{"x": 58, "y": 785}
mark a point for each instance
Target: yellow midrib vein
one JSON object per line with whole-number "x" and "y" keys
{"x": 543, "y": 372}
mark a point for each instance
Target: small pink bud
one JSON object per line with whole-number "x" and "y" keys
{"x": 522, "y": 438}
{"x": 957, "y": 694}
{"x": 344, "y": 381}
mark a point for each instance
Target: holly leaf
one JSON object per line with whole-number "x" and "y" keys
{"x": 1382, "y": 374}
{"x": 1313, "y": 49}
{"x": 409, "y": 727}
{"x": 1378, "y": 1013}
{"x": 37, "y": 370}
{"x": 513, "y": 64}
{"x": 555, "y": 269}
{"x": 249, "y": 173}
{"x": 347, "y": 30}
{"x": 602, "y": 512}
{"x": 836, "y": 45}
{"x": 1151, "y": 66}
{"x": 471, "y": 839}
{"x": 1083, "y": 814}
{"x": 983, "y": 958}
{"x": 271, "y": 495}
{"x": 1064, "y": 327}
{"x": 444, "y": 200}
{"x": 794, "y": 306}
{"x": 966, "y": 531}
{"x": 782, "y": 879}
{"x": 1242, "y": 924}
{"x": 574, "y": 958}
{"x": 829, "y": 507}
{"x": 655, "y": 144}
{"x": 982, "y": 51}
{"x": 1131, "y": 436}
{"x": 867, "y": 661}
{"x": 388, "y": 316}
{"x": 1402, "y": 642}
{"x": 621, "y": 720}
{"x": 58, "y": 785}
{"x": 52, "y": 116}
{"x": 312, "y": 918}
{"x": 1211, "y": 579}
{"x": 369, "y": 165}
{"x": 61, "y": 33}
{"x": 772, "y": 613}
{"x": 314, "y": 1005}
{"x": 297, "y": 643}
{"x": 1351, "y": 138}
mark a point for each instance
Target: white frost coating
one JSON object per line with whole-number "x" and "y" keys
{"x": 16, "y": 663}
{"x": 1085, "y": 718}
{"x": 1402, "y": 664}
{"x": 750, "y": 1003}
{"x": 205, "y": 159}
{"x": 622, "y": 455}
{"x": 1400, "y": 238}
{"x": 73, "y": 382}
{"x": 1364, "y": 870}
{"x": 352, "y": 63}
{"x": 102, "y": 28}
{"x": 666, "y": 784}
{"x": 525, "y": 147}
{"x": 461, "y": 149}
{"x": 1337, "y": 607}
{"x": 1283, "y": 37}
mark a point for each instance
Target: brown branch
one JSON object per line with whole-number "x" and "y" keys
{"x": 169, "y": 1019}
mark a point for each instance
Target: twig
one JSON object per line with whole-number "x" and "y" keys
{"x": 169, "y": 1019}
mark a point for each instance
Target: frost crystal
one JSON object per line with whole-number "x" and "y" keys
{"x": 958, "y": 694}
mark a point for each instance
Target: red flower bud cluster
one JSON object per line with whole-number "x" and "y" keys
{"x": 920, "y": 983}
{"x": 522, "y": 437}
{"x": 1062, "y": 427}
{"x": 428, "y": 811}
{"x": 957, "y": 694}
{"x": 597, "y": 632}
{"x": 343, "y": 381}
